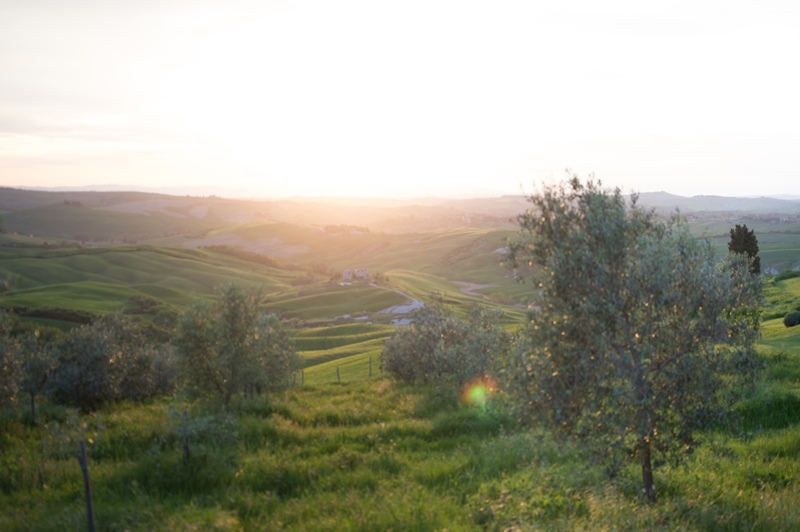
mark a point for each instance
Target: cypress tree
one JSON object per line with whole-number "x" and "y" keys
{"x": 744, "y": 241}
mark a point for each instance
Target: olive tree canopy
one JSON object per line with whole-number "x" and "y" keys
{"x": 637, "y": 337}
{"x": 231, "y": 346}
{"x": 111, "y": 359}
{"x": 446, "y": 349}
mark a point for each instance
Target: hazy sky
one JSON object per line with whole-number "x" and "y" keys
{"x": 401, "y": 97}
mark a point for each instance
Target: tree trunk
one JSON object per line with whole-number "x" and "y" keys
{"x": 647, "y": 471}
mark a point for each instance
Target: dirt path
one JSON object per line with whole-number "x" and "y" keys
{"x": 402, "y": 310}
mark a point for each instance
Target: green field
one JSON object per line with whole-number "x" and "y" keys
{"x": 101, "y": 280}
{"x": 332, "y": 300}
{"x": 96, "y": 225}
{"x": 347, "y": 347}
{"x": 778, "y": 251}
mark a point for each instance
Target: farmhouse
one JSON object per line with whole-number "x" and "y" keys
{"x": 358, "y": 273}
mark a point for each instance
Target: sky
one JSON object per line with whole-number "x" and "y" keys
{"x": 401, "y": 98}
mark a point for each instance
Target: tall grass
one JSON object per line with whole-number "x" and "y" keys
{"x": 370, "y": 454}
{"x": 362, "y": 455}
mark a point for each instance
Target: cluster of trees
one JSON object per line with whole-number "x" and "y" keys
{"x": 84, "y": 367}
{"x": 636, "y": 337}
{"x": 219, "y": 349}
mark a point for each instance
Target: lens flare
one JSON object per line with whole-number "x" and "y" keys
{"x": 478, "y": 391}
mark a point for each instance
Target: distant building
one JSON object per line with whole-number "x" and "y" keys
{"x": 358, "y": 273}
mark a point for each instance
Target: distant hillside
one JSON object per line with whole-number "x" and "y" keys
{"x": 15, "y": 199}
{"x": 67, "y": 221}
{"x": 378, "y": 214}
{"x": 668, "y": 202}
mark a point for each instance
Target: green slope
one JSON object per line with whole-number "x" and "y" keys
{"x": 470, "y": 253}
{"x": 330, "y": 300}
{"x": 323, "y": 338}
{"x": 782, "y": 297}
{"x": 95, "y": 225}
{"x": 101, "y": 280}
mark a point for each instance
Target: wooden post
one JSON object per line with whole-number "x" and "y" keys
{"x": 185, "y": 431}
{"x": 302, "y": 377}
{"x": 370, "y": 367}
{"x": 338, "y": 378}
{"x": 87, "y": 485}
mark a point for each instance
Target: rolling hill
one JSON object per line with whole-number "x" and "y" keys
{"x": 95, "y": 252}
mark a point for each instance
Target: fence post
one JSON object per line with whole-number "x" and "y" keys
{"x": 370, "y": 367}
{"x": 185, "y": 433}
{"x": 87, "y": 485}
{"x": 338, "y": 378}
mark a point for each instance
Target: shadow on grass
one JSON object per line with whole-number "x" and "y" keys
{"x": 769, "y": 411}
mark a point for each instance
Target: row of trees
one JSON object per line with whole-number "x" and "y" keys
{"x": 636, "y": 337}
{"x": 219, "y": 349}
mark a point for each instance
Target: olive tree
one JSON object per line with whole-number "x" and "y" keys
{"x": 111, "y": 359}
{"x": 636, "y": 336}
{"x": 230, "y": 346}
{"x": 25, "y": 361}
{"x": 36, "y": 362}
{"x": 444, "y": 348}
{"x": 9, "y": 365}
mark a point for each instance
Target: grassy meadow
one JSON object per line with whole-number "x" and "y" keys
{"x": 346, "y": 448}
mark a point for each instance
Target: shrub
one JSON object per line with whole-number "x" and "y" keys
{"x": 443, "y": 348}
{"x": 230, "y": 346}
{"x": 788, "y": 274}
{"x": 110, "y": 360}
{"x": 35, "y": 364}
{"x": 792, "y": 319}
{"x": 9, "y": 367}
